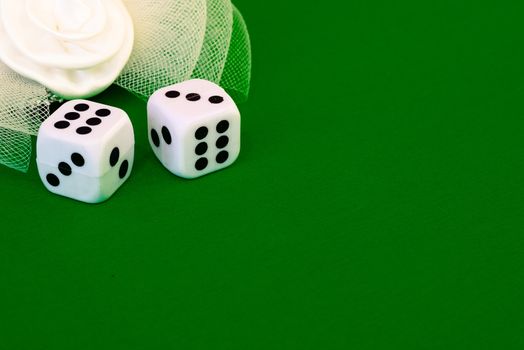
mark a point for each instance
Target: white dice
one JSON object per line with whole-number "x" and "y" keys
{"x": 85, "y": 150}
{"x": 194, "y": 128}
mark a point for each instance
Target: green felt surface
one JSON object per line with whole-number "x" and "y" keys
{"x": 377, "y": 202}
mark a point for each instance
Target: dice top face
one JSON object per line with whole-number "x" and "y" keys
{"x": 193, "y": 100}
{"x": 194, "y": 128}
{"x": 83, "y": 120}
{"x": 86, "y": 136}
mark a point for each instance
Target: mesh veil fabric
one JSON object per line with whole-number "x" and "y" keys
{"x": 23, "y": 106}
{"x": 175, "y": 40}
{"x": 236, "y": 76}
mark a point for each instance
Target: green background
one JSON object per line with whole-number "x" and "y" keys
{"x": 377, "y": 202}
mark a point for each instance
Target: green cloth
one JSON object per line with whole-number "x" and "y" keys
{"x": 377, "y": 202}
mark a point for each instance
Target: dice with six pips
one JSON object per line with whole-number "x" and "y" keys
{"x": 194, "y": 128}
{"x": 85, "y": 150}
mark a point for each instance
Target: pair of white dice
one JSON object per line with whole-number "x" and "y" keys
{"x": 85, "y": 150}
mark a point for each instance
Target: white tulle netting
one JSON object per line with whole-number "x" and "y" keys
{"x": 175, "y": 40}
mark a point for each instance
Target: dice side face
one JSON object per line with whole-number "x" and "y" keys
{"x": 201, "y": 121}
{"x": 85, "y": 188}
{"x": 165, "y": 133}
{"x": 83, "y": 165}
{"x": 210, "y": 144}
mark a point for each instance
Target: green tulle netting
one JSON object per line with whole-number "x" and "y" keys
{"x": 175, "y": 40}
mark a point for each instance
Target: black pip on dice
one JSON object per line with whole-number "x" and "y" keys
{"x": 85, "y": 150}
{"x": 194, "y": 128}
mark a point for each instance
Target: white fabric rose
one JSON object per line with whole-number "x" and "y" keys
{"x": 76, "y": 48}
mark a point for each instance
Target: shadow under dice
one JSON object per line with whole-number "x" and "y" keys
{"x": 85, "y": 150}
{"x": 194, "y": 128}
